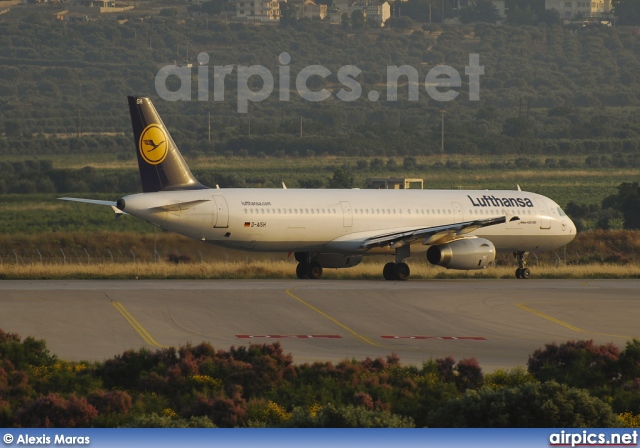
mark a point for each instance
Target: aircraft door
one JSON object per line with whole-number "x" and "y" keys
{"x": 458, "y": 216}
{"x": 347, "y": 217}
{"x": 545, "y": 218}
{"x": 221, "y": 218}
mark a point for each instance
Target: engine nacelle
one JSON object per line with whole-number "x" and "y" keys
{"x": 338, "y": 260}
{"x": 467, "y": 254}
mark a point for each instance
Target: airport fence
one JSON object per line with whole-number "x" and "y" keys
{"x": 62, "y": 256}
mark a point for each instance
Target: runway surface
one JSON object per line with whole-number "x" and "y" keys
{"x": 499, "y": 322}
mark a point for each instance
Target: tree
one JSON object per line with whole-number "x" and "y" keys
{"x": 530, "y": 405}
{"x": 345, "y": 22}
{"x": 627, "y": 12}
{"x": 550, "y": 17}
{"x": 287, "y": 14}
{"x": 341, "y": 179}
{"x": 480, "y": 11}
{"x": 576, "y": 363}
{"x": 358, "y": 20}
{"x": 517, "y": 127}
{"x": 628, "y": 202}
{"x": 518, "y": 16}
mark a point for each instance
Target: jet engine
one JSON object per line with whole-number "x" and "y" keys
{"x": 467, "y": 254}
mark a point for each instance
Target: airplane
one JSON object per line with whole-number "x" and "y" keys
{"x": 336, "y": 228}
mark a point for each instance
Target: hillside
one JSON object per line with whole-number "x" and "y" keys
{"x": 545, "y": 90}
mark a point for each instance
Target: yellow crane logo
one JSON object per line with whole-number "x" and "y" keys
{"x": 153, "y": 144}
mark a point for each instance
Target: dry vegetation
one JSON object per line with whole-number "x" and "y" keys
{"x": 286, "y": 269}
{"x": 92, "y": 255}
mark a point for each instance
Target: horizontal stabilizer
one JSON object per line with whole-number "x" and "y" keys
{"x": 112, "y": 204}
{"x": 90, "y": 201}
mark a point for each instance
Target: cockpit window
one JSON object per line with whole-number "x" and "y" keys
{"x": 561, "y": 213}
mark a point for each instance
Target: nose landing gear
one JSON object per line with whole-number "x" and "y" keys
{"x": 522, "y": 272}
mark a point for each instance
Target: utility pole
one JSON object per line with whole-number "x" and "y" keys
{"x": 442, "y": 111}
{"x": 78, "y": 122}
{"x": 300, "y": 127}
{"x": 209, "y": 127}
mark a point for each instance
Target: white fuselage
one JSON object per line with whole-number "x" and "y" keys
{"x": 339, "y": 221}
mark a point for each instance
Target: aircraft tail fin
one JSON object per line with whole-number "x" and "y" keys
{"x": 160, "y": 163}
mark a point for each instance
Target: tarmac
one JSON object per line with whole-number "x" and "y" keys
{"x": 498, "y": 322}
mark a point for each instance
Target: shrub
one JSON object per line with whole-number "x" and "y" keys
{"x": 530, "y": 405}
{"x": 350, "y": 416}
{"x": 54, "y": 411}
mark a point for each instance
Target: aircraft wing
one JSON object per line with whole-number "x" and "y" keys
{"x": 433, "y": 235}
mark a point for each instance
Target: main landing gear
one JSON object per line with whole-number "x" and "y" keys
{"x": 522, "y": 272}
{"x": 307, "y": 268}
{"x": 398, "y": 270}
{"x": 311, "y": 270}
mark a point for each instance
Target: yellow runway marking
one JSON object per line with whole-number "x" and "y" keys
{"x": 136, "y": 325}
{"x": 569, "y": 326}
{"x": 359, "y": 336}
{"x": 552, "y": 319}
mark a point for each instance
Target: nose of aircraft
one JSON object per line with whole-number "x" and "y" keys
{"x": 569, "y": 228}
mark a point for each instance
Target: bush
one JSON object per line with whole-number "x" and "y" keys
{"x": 350, "y": 416}
{"x": 54, "y": 411}
{"x": 580, "y": 364}
{"x": 531, "y": 405}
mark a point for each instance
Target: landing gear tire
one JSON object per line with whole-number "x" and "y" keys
{"x": 389, "y": 271}
{"x": 396, "y": 271}
{"x": 522, "y": 272}
{"x": 301, "y": 270}
{"x": 301, "y": 257}
{"x": 314, "y": 270}
{"x": 402, "y": 271}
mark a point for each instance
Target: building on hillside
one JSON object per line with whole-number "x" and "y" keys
{"x": 394, "y": 183}
{"x": 310, "y": 10}
{"x": 582, "y": 9}
{"x": 375, "y": 12}
{"x": 257, "y": 10}
{"x": 95, "y": 3}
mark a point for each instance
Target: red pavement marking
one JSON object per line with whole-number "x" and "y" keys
{"x": 446, "y": 338}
